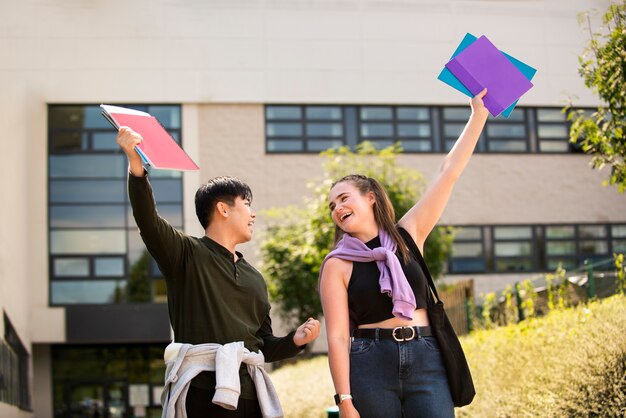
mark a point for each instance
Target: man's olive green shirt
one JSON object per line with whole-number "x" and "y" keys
{"x": 211, "y": 298}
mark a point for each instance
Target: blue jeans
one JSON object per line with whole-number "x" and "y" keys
{"x": 399, "y": 379}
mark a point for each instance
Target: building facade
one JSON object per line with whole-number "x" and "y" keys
{"x": 256, "y": 89}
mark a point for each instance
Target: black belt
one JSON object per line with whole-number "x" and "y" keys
{"x": 397, "y": 333}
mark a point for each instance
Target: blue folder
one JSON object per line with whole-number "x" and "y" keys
{"x": 447, "y": 77}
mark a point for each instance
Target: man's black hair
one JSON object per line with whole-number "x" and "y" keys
{"x": 219, "y": 189}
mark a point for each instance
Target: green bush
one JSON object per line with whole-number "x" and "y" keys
{"x": 570, "y": 363}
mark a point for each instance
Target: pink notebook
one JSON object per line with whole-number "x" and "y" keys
{"x": 158, "y": 148}
{"x": 482, "y": 65}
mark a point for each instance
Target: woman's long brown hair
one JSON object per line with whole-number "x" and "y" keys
{"x": 384, "y": 215}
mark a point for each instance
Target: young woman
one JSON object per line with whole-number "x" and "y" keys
{"x": 383, "y": 358}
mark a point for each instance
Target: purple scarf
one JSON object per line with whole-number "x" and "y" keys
{"x": 392, "y": 279}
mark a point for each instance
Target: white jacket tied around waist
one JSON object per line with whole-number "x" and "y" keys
{"x": 183, "y": 362}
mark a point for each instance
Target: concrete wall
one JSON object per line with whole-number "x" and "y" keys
{"x": 42, "y": 383}
{"x": 360, "y": 51}
{"x": 13, "y": 412}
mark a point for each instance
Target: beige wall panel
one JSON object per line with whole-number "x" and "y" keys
{"x": 316, "y": 54}
{"x": 19, "y": 239}
{"x": 527, "y": 188}
{"x": 13, "y": 412}
{"x": 191, "y": 179}
{"x": 286, "y": 20}
{"x": 42, "y": 382}
{"x": 48, "y": 324}
{"x": 29, "y": 218}
{"x": 281, "y": 51}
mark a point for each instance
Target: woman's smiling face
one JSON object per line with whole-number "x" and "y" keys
{"x": 349, "y": 208}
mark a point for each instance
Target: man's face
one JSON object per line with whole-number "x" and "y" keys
{"x": 241, "y": 219}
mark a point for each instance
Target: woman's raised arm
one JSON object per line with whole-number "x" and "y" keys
{"x": 424, "y": 215}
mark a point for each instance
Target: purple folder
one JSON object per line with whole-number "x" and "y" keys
{"x": 482, "y": 65}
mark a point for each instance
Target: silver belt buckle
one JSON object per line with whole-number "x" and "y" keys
{"x": 412, "y": 336}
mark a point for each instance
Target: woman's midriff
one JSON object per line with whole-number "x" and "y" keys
{"x": 420, "y": 319}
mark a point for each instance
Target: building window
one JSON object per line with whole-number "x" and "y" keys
{"x": 96, "y": 254}
{"x": 14, "y": 361}
{"x": 311, "y": 129}
{"x": 618, "y": 239}
{"x": 593, "y": 243}
{"x": 507, "y": 134}
{"x": 468, "y": 250}
{"x": 530, "y": 248}
{"x": 453, "y": 121}
{"x": 560, "y": 247}
{"x": 553, "y": 131}
{"x": 304, "y": 128}
{"x": 411, "y": 126}
{"x": 572, "y": 245}
{"x": 513, "y": 248}
{"x": 107, "y": 380}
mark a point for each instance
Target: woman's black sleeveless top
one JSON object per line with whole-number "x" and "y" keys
{"x": 366, "y": 303}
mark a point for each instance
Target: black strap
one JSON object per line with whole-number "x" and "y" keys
{"x": 408, "y": 239}
{"x": 398, "y": 333}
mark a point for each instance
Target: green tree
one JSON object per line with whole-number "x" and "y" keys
{"x": 138, "y": 286}
{"x": 603, "y": 69}
{"x": 298, "y": 239}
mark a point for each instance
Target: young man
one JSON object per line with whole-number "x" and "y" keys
{"x": 215, "y": 298}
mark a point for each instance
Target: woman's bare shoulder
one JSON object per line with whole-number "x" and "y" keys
{"x": 336, "y": 267}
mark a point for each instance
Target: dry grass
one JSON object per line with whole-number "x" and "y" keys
{"x": 305, "y": 388}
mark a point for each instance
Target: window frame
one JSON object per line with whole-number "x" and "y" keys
{"x": 303, "y": 121}
{"x": 541, "y": 260}
{"x": 395, "y": 121}
{"x": 570, "y": 147}
{"x": 126, "y": 226}
{"x": 352, "y": 122}
{"x": 14, "y": 373}
{"x": 483, "y": 244}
